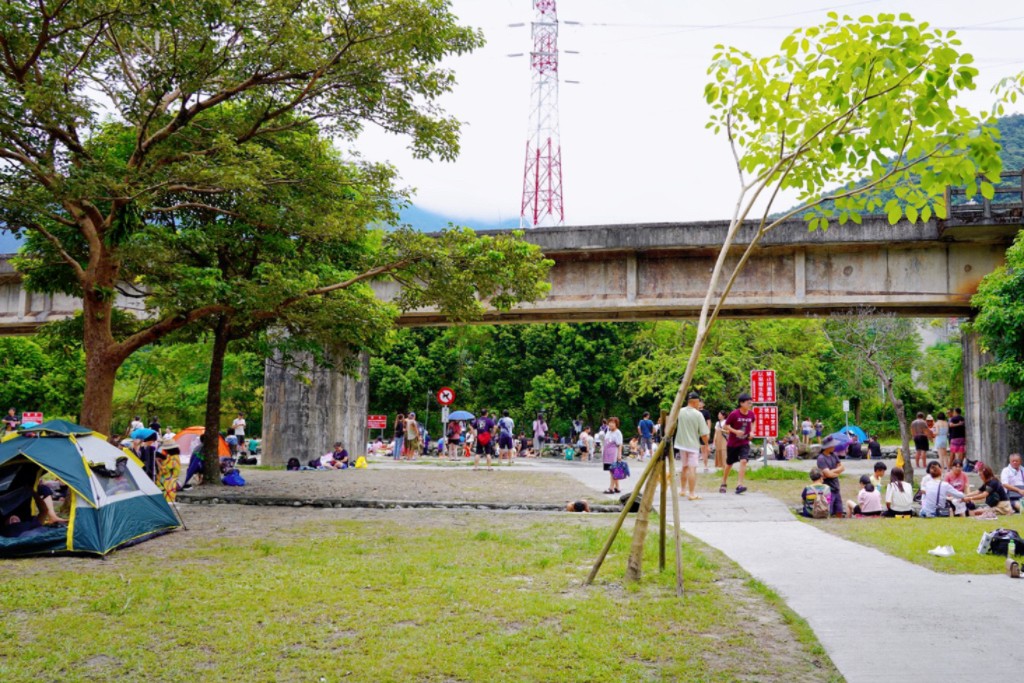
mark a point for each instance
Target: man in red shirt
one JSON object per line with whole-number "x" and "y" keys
{"x": 738, "y": 427}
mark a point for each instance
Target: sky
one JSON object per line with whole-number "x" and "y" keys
{"x": 634, "y": 146}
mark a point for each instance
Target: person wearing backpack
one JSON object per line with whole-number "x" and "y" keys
{"x": 506, "y": 446}
{"x": 484, "y": 427}
{"x": 817, "y": 497}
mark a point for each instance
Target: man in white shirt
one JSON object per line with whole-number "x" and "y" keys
{"x": 691, "y": 432}
{"x": 238, "y": 426}
{"x": 1012, "y": 477}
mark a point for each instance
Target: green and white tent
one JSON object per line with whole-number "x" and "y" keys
{"x": 112, "y": 502}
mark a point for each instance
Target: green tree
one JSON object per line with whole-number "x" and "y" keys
{"x": 1000, "y": 322}
{"x": 867, "y": 105}
{"x": 192, "y": 91}
{"x": 886, "y": 346}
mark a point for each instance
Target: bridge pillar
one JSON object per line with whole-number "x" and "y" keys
{"x": 991, "y": 436}
{"x": 304, "y": 414}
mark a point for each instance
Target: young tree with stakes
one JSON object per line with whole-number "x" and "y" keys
{"x": 863, "y": 106}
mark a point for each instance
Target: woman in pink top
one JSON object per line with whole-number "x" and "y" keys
{"x": 869, "y": 500}
{"x": 957, "y": 478}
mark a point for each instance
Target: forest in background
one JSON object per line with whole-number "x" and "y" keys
{"x": 595, "y": 370}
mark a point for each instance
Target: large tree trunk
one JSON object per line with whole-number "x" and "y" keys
{"x": 103, "y": 357}
{"x": 211, "y": 423}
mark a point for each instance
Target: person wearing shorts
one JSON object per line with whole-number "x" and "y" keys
{"x": 646, "y": 430}
{"x": 506, "y": 445}
{"x": 484, "y": 426}
{"x": 919, "y": 431}
{"x": 738, "y": 426}
{"x": 691, "y": 433}
{"x": 957, "y": 434}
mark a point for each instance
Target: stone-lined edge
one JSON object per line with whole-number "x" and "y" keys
{"x": 379, "y": 504}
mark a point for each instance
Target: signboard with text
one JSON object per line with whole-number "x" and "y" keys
{"x": 32, "y": 417}
{"x": 766, "y": 425}
{"x": 377, "y": 421}
{"x": 762, "y": 386}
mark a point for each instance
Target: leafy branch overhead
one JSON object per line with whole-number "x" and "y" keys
{"x": 866, "y": 106}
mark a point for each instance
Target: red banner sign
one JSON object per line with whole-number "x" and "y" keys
{"x": 377, "y": 421}
{"x": 31, "y": 417}
{"x": 762, "y": 386}
{"x": 766, "y": 425}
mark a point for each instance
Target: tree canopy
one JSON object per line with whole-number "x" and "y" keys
{"x": 132, "y": 131}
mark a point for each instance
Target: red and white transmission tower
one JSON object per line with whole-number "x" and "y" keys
{"x": 542, "y": 175}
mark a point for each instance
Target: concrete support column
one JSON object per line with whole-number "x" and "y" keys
{"x": 304, "y": 415}
{"x": 991, "y": 437}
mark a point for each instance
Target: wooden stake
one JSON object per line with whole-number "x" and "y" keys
{"x": 675, "y": 525}
{"x": 662, "y": 514}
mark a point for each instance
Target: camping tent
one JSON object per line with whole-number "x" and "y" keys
{"x": 188, "y": 439}
{"x": 112, "y": 501}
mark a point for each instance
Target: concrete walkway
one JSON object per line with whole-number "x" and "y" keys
{"x": 880, "y": 618}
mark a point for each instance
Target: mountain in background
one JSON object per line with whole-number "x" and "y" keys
{"x": 428, "y": 221}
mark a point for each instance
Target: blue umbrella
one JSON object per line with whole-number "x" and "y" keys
{"x": 460, "y": 415}
{"x": 143, "y": 434}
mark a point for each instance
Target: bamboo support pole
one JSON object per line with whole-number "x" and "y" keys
{"x": 675, "y": 525}
{"x": 662, "y": 514}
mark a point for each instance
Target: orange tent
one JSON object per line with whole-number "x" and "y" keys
{"x": 188, "y": 439}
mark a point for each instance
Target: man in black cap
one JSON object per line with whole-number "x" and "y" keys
{"x": 738, "y": 426}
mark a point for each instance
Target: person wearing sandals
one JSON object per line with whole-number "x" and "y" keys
{"x": 612, "y": 452}
{"x": 691, "y": 433}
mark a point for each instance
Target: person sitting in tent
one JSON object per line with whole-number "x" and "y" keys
{"x": 16, "y": 518}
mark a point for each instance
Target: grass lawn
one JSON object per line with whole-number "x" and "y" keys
{"x": 910, "y": 539}
{"x": 330, "y": 595}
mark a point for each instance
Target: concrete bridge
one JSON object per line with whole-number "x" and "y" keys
{"x": 659, "y": 271}
{"x": 655, "y": 271}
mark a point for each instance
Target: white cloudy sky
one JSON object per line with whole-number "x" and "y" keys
{"x": 634, "y": 147}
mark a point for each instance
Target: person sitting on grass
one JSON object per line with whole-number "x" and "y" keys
{"x": 935, "y": 492}
{"x": 577, "y": 506}
{"x": 869, "y": 501}
{"x": 899, "y": 496}
{"x": 958, "y": 480}
{"x": 812, "y": 492}
{"x": 993, "y": 493}
{"x": 878, "y": 476}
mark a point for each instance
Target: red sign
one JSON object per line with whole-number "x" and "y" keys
{"x": 762, "y": 386}
{"x": 377, "y": 421}
{"x": 31, "y": 417}
{"x": 766, "y": 425}
{"x": 446, "y": 396}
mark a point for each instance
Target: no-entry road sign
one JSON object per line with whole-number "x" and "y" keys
{"x": 446, "y": 396}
